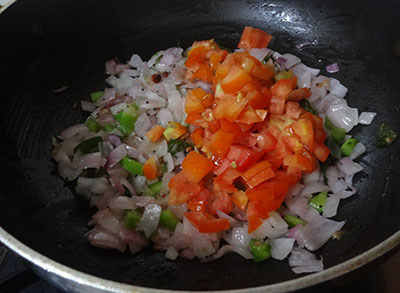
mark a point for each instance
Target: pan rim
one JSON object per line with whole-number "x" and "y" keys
{"x": 105, "y": 285}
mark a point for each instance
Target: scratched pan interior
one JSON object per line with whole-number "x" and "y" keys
{"x": 48, "y": 44}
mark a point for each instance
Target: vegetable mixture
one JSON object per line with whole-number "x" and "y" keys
{"x": 204, "y": 152}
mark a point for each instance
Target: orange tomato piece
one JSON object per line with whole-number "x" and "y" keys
{"x": 197, "y": 137}
{"x": 263, "y": 72}
{"x": 194, "y": 119}
{"x": 260, "y": 177}
{"x": 254, "y": 38}
{"x": 299, "y": 94}
{"x": 155, "y": 133}
{"x": 277, "y": 105}
{"x": 321, "y": 151}
{"x": 150, "y": 169}
{"x": 204, "y": 72}
{"x": 214, "y": 225}
{"x": 234, "y": 80}
{"x": 222, "y": 201}
{"x": 199, "y": 203}
{"x": 221, "y": 142}
{"x": 255, "y": 169}
{"x": 240, "y": 199}
{"x": 196, "y": 166}
{"x": 193, "y": 104}
{"x": 299, "y": 162}
{"x": 303, "y": 128}
{"x": 293, "y": 110}
{"x": 250, "y": 116}
{"x": 180, "y": 190}
{"x": 174, "y": 130}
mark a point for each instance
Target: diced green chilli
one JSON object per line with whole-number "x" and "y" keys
{"x": 348, "y": 146}
{"x": 260, "y": 249}
{"x": 108, "y": 127}
{"x": 95, "y": 96}
{"x": 293, "y": 221}
{"x": 155, "y": 188}
{"x": 92, "y": 124}
{"x": 131, "y": 219}
{"x": 164, "y": 168}
{"x": 337, "y": 133}
{"x": 266, "y": 58}
{"x": 132, "y": 166}
{"x": 307, "y": 106}
{"x": 386, "y": 135}
{"x": 127, "y": 118}
{"x": 168, "y": 219}
{"x": 318, "y": 202}
{"x": 88, "y": 146}
{"x": 283, "y": 75}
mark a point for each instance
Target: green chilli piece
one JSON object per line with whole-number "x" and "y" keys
{"x": 337, "y": 133}
{"x": 177, "y": 145}
{"x": 132, "y": 218}
{"x": 154, "y": 188}
{"x": 305, "y": 104}
{"x": 132, "y": 166}
{"x": 283, "y": 75}
{"x": 293, "y": 221}
{"x": 348, "y": 146}
{"x": 95, "y": 96}
{"x": 260, "y": 249}
{"x": 168, "y": 219}
{"x": 108, "y": 127}
{"x": 92, "y": 124}
{"x": 318, "y": 202}
{"x": 386, "y": 135}
{"x": 126, "y": 119}
{"x": 90, "y": 145}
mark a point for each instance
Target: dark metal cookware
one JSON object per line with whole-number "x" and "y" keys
{"x": 45, "y": 45}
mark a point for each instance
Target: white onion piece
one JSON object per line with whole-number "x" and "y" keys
{"x": 187, "y": 253}
{"x": 276, "y": 220}
{"x": 297, "y": 205}
{"x": 366, "y": 118}
{"x": 332, "y": 68}
{"x": 105, "y": 148}
{"x": 142, "y": 125}
{"x": 179, "y": 157}
{"x": 92, "y": 160}
{"x": 114, "y": 180}
{"x": 143, "y": 201}
{"x": 101, "y": 238}
{"x": 178, "y": 241}
{"x": 110, "y": 66}
{"x": 171, "y": 253}
{"x": 202, "y": 245}
{"x": 314, "y": 187}
{"x": 73, "y": 130}
{"x": 291, "y": 60}
{"x": 113, "y": 139}
{"x": 132, "y": 152}
{"x": 348, "y": 167}
{"x": 260, "y": 54}
{"x": 331, "y": 206}
{"x": 121, "y": 203}
{"x": 171, "y": 56}
{"x": 165, "y": 180}
{"x": 317, "y": 233}
{"x": 149, "y": 220}
{"x": 304, "y": 261}
{"x": 294, "y": 190}
{"x": 170, "y": 162}
{"x": 94, "y": 185}
{"x": 67, "y": 172}
{"x": 281, "y": 247}
{"x": 188, "y": 228}
{"x": 178, "y": 210}
{"x": 87, "y": 106}
{"x": 108, "y": 221}
{"x": 164, "y": 116}
{"x": 240, "y": 237}
{"x": 157, "y": 149}
{"x": 243, "y": 251}
{"x": 316, "y": 93}
{"x": 358, "y": 150}
{"x": 312, "y": 177}
{"x": 232, "y": 222}
{"x": 135, "y": 240}
{"x": 115, "y": 156}
{"x": 266, "y": 230}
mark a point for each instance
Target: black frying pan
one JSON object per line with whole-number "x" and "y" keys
{"x": 48, "y": 44}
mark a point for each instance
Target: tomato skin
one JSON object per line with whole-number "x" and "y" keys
{"x": 243, "y": 156}
{"x": 254, "y": 38}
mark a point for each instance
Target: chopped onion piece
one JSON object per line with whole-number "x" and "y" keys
{"x": 332, "y": 68}
{"x": 149, "y": 220}
{"x": 281, "y": 247}
{"x": 366, "y": 118}
{"x": 172, "y": 253}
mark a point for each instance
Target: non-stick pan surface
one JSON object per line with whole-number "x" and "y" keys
{"x": 49, "y": 44}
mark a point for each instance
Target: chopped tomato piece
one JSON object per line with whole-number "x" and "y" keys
{"x": 229, "y": 126}
{"x": 197, "y": 217}
{"x": 321, "y": 152}
{"x": 197, "y": 137}
{"x": 250, "y": 116}
{"x": 199, "y": 203}
{"x": 299, "y": 94}
{"x": 293, "y": 110}
{"x": 174, "y": 130}
{"x": 283, "y": 176}
{"x": 266, "y": 141}
{"x": 194, "y": 119}
{"x": 243, "y": 157}
{"x": 275, "y": 160}
{"x": 180, "y": 190}
{"x": 255, "y": 169}
{"x": 282, "y": 88}
{"x": 224, "y": 187}
{"x": 255, "y": 100}
{"x": 304, "y": 129}
{"x": 260, "y": 194}
{"x": 214, "y": 225}
{"x": 222, "y": 202}
{"x": 263, "y": 72}
{"x": 240, "y": 199}
{"x": 234, "y": 80}
{"x": 222, "y": 165}
{"x": 228, "y": 176}
{"x": 230, "y": 107}
{"x": 277, "y": 105}
{"x": 298, "y": 161}
{"x": 254, "y": 222}
{"x": 319, "y": 136}
{"x": 150, "y": 169}
{"x": 254, "y": 38}
{"x": 155, "y": 133}
{"x": 196, "y": 166}
{"x": 221, "y": 142}
{"x": 193, "y": 104}
{"x": 260, "y": 177}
